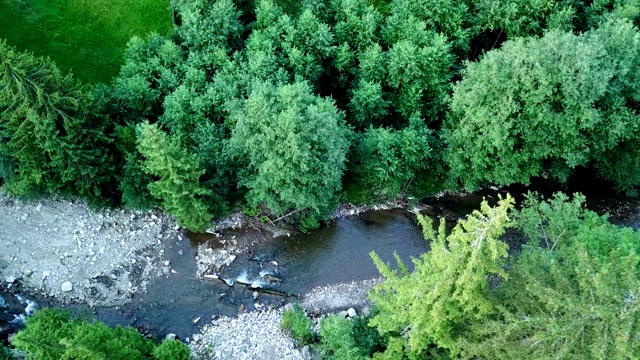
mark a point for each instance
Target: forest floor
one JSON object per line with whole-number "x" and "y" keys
{"x": 87, "y": 37}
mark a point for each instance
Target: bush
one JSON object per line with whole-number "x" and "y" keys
{"x": 172, "y": 350}
{"x": 52, "y": 334}
{"x": 5, "y": 353}
{"x": 297, "y": 322}
{"x": 337, "y": 339}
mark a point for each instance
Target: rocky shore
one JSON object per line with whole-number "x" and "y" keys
{"x": 257, "y": 336}
{"x": 65, "y": 250}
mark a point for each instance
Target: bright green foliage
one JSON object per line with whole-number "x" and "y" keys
{"x": 49, "y": 134}
{"x": 294, "y": 144}
{"x": 573, "y": 297}
{"x": 391, "y": 159}
{"x": 86, "y": 37}
{"x": 57, "y": 335}
{"x": 541, "y": 107}
{"x": 449, "y": 285}
{"x": 446, "y": 17}
{"x": 419, "y": 63}
{"x": 298, "y": 324}
{"x": 336, "y": 339}
{"x": 171, "y": 350}
{"x": 178, "y": 174}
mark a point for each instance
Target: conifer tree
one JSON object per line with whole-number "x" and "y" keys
{"x": 51, "y": 132}
{"x": 178, "y": 174}
{"x": 449, "y": 285}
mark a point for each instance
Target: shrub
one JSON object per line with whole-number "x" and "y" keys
{"x": 171, "y": 350}
{"x": 297, "y": 322}
{"x": 337, "y": 339}
{"x": 52, "y": 334}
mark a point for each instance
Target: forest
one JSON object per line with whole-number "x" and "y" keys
{"x": 289, "y": 108}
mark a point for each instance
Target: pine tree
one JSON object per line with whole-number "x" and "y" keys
{"x": 51, "y": 132}
{"x": 449, "y": 285}
{"x": 178, "y": 173}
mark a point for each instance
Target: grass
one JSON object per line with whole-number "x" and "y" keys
{"x": 87, "y": 37}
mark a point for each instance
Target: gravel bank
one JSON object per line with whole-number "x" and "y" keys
{"x": 250, "y": 336}
{"x": 257, "y": 335}
{"x": 64, "y": 249}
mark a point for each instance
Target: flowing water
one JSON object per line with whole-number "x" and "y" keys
{"x": 337, "y": 252}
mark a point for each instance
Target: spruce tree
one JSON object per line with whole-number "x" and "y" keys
{"x": 51, "y": 131}
{"x": 178, "y": 173}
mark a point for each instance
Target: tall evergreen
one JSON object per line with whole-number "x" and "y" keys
{"x": 50, "y": 134}
{"x": 178, "y": 177}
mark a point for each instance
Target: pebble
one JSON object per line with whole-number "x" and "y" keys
{"x": 165, "y": 270}
{"x": 10, "y": 279}
{"x": 67, "y": 286}
{"x": 352, "y": 312}
{"x": 28, "y": 272}
{"x": 256, "y": 295}
{"x": 170, "y": 336}
{"x": 167, "y": 263}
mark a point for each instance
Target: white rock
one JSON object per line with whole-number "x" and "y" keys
{"x": 195, "y": 321}
{"x": 170, "y": 336}
{"x": 343, "y": 313}
{"x": 10, "y": 279}
{"x": 256, "y": 295}
{"x": 167, "y": 262}
{"x": 67, "y": 286}
{"x": 352, "y": 312}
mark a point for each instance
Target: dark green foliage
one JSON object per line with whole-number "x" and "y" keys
{"x": 54, "y": 335}
{"x": 133, "y": 181}
{"x": 391, "y": 159}
{"x": 49, "y": 132}
{"x": 171, "y": 350}
{"x": 541, "y": 107}
{"x": 295, "y": 145}
{"x": 298, "y": 324}
{"x": 522, "y": 18}
{"x": 178, "y": 174}
{"x": 337, "y": 340}
{"x": 367, "y": 338}
{"x": 5, "y": 353}
{"x": 152, "y": 69}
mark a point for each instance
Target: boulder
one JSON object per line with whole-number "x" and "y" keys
{"x": 67, "y": 286}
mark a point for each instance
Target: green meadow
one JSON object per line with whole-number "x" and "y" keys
{"x": 86, "y": 37}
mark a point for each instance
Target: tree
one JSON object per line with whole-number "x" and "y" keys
{"x": 49, "y": 135}
{"x": 542, "y": 107}
{"x": 52, "y": 334}
{"x": 572, "y": 292}
{"x": 389, "y": 160}
{"x": 178, "y": 174}
{"x": 449, "y": 286}
{"x": 294, "y": 144}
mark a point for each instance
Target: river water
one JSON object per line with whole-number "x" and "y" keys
{"x": 337, "y": 252}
